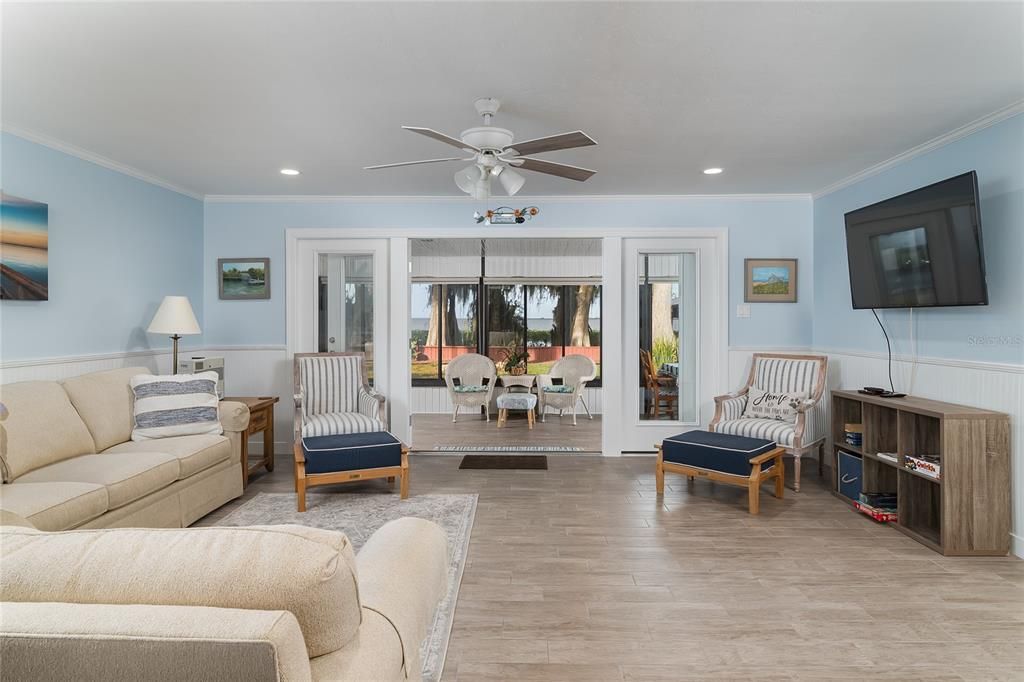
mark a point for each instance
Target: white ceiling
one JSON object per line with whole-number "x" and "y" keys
{"x": 787, "y": 97}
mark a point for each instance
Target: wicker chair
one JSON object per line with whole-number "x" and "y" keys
{"x": 333, "y": 397}
{"x": 574, "y": 371}
{"x": 780, "y": 373}
{"x": 470, "y": 379}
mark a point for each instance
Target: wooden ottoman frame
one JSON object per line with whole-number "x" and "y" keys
{"x": 304, "y": 480}
{"x": 752, "y": 482}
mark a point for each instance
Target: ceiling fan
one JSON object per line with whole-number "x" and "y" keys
{"x": 495, "y": 155}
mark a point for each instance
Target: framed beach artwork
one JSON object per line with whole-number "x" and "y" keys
{"x": 243, "y": 279}
{"x": 24, "y": 249}
{"x": 769, "y": 280}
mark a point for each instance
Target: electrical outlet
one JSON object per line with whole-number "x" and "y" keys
{"x": 743, "y": 310}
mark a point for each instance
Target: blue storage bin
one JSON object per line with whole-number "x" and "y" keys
{"x": 849, "y": 475}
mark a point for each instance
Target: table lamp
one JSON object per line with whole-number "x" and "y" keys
{"x": 174, "y": 317}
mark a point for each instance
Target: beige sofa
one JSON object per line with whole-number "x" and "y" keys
{"x": 248, "y": 604}
{"x": 68, "y": 460}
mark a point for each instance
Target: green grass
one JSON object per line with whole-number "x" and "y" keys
{"x": 772, "y": 288}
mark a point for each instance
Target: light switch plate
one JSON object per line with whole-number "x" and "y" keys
{"x": 743, "y": 310}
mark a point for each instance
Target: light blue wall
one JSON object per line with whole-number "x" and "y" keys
{"x": 759, "y": 228}
{"x": 990, "y": 333}
{"x": 118, "y": 245}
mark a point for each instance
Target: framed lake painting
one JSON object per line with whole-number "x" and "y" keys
{"x": 770, "y": 280}
{"x": 244, "y": 279}
{"x": 24, "y": 249}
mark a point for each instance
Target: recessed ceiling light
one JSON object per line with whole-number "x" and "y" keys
{"x": 289, "y": 171}
{"x": 708, "y": 171}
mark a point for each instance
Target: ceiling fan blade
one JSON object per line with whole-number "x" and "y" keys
{"x": 415, "y": 163}
{"x": 552, "y": 143}
{"x": 562, "y": 170}
{"x": 441, "y": 137}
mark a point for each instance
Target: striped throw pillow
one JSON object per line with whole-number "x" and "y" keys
{"x": 177, "y": 405}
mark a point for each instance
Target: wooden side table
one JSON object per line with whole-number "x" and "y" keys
{"x": 261, "y": 419}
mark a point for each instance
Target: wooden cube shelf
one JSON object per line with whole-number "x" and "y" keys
{"x": 967, "y": 510}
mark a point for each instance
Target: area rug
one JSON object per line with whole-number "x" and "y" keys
{"x": 506, "y": 448}
{"x": 504, "y": 462}
{"x": 358, "y": 515}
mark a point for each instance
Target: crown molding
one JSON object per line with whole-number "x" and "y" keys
{"x": 941, "y": 141}
{"x": 103, "y": 161}
{"x": 555, "y": 198}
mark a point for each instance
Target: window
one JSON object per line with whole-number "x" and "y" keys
{"x": 549, "y": 320}
{"x": 443, "y": 326}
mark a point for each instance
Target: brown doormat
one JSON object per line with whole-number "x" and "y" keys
{"x": 504, "y": 462}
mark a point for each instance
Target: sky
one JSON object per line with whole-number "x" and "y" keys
{"x": 23, "y": 222}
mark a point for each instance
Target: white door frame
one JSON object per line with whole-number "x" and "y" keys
{"x": 398, "y": 390}
{"x": 303, "y": 276}
{"x": 712, "y": 346}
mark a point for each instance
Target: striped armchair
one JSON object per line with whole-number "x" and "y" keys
{"x": 332, "y": 396}
{"x": 780, "y": 373}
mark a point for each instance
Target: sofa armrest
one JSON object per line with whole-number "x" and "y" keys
{"x": 147, "y": 642}
{"x": 233, "y": 416}
{"x": 403, "y": 575}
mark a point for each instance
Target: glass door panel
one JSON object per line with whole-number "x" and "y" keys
{"x": 346, "y": 295}
{"x": 667, "y": 336}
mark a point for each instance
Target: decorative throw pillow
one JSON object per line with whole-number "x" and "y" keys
{"x": 177, "y": 405}
{"x": 763, "y": 404}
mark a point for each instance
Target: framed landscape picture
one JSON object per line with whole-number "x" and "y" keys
{"x": 24, "y": 249}
{"x": 243, "y": 279}
{"x": 769, "y": 280}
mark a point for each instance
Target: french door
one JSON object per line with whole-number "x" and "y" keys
{"x": 672, "y": 340}
{"x": 342, "y": 304}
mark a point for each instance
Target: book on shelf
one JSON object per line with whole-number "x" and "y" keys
{"x": 887, "y": 456}
{"x": 929, "y": 465}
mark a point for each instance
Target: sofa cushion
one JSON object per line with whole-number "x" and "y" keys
{"x": 54, "y": 506}
{"x": 339, "y": 422}
{"x": 61, "y": 641}
{"x": 126, "y": 476}
{"x": 194, "y": 453}
{"x": 782, "y": 433}
{"x": 104, "y": 400}
{"x": 42, "y": 428}
{"x": 306, "y": 571}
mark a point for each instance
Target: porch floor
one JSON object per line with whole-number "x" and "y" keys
{"x": 432, "y": 430}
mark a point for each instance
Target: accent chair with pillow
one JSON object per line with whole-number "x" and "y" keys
{"x": 333, "y": 397}
{"x": 69, "y": 459}
{"x": 470, "y": 379}
{"x": 782, "y": 401}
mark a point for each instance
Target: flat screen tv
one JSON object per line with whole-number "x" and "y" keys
{"x": 921, "y": 249}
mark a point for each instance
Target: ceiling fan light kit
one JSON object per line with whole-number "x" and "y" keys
{"x": 495, "y": 154}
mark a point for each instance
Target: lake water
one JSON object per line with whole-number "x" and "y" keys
{"x": 237, "y": 287}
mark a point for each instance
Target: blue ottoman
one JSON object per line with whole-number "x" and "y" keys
{"x": 736, "y": 460}
{"x": 322, "y": 460}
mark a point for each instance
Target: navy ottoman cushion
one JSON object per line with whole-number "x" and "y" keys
{"x": 351, "y": 451}
{"x": 716, "y": 451}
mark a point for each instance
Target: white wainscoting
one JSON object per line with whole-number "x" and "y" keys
{"x": 58, "y": 369}
{"x": 990, "y": 386}
{"x": 267, "y": 370}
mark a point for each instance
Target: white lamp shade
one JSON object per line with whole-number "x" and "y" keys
{"x": 511, "y": 181}
{"x": 482, "y": 189}
{"x": 174, "y": 316}
{"x": 467, "y": 178}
